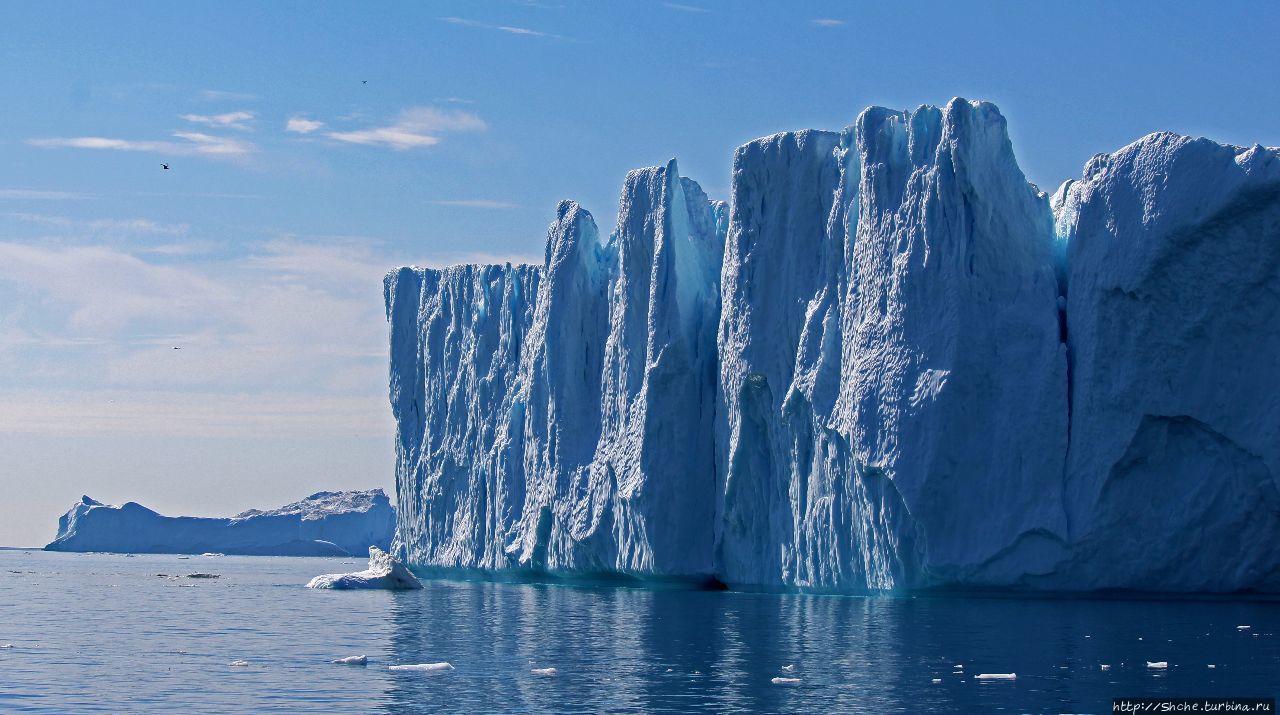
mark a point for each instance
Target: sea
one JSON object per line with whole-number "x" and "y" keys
{"x": 123, "y": 634}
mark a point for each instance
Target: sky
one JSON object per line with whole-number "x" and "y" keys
{"x": 314, "y": 146}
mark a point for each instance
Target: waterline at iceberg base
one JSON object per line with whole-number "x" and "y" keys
{"x": 889, "y": 362}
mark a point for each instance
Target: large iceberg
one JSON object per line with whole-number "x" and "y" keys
{"x": 323, "y": 524}
{"x": 889, "y": 362}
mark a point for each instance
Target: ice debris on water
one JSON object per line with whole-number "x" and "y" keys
{"x": 544, "y": 672}
{"x": 996, "y": 676}
{"x": 1157, "y": 665}
{"x": 425, "y": 667}
{"x": 789, "y": 668}
{"x": 239, "y": 664}
{"x": 1104, "y": 666}
{"x": 352, "y": 660}
{"x": 385, "y": 572}
{"x": 1243, "y": 628}
{"x": 785, "y": 681}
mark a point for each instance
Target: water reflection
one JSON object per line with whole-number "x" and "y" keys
{"x": 619, "y": 649}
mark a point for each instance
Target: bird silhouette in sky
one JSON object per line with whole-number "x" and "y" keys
{"x": 364, "y": 81}
{"x": 164, "y": 166}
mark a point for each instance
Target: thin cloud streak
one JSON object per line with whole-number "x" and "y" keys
{"x": 509, "y": 29}
{"x": 477, "y": 203}
{"x": 196, "y": 144}
{"x": 39, "y": 195}
{"x": 230, "y": 120}
{"x": 302, "y": 125}
{"x": 827, "y": 22}
{"x": 416, "y": 127}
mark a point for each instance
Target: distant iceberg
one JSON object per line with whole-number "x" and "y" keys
{"x": 384, "y": 572}
{"x": 323, "y": 524}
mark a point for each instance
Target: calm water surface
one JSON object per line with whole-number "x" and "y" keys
{"x": 98, "y": 632}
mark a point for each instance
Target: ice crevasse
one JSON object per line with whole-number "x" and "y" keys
{"x": 888, "y": 362}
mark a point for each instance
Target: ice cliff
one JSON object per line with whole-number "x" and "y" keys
{"x": 889, "y": 362}
{"x": 323, "y": 524}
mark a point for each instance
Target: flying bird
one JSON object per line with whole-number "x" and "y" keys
{"x": 175, "y": 347}
{"x": 364, "y": 81}
{"x": 164, "y": 166}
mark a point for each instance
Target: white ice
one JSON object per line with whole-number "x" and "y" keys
{"x": 384, "y": 572}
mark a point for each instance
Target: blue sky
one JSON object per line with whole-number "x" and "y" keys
{"x": 294, "y": 185}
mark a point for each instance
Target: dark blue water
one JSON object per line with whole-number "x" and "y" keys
{"x": 103, "y": 633}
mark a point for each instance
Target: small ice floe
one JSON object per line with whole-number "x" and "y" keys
{"x": 958, "y": 666}
{"x": 6, "y": 645}
{"x": 996, "y": 676}
{"x": 384, "y": 572}
{"x": 352, "y": 660}
{"x": 1104, "y": 666}
{"x": 211, "y": 554}
{"x": 1243, "y": 628}
{"x": 238, "y": 664}
{"x": 426, "y": 667}
{"x": 1157, "y": 665}
{"x": 935, "y": 681}
{"x": 203, "y": 575}
{"x": 785, "y": 681}
{"x": 545, "y": 672}
{"x": 789, "y": 668}
{"x": 1212, "y": 666}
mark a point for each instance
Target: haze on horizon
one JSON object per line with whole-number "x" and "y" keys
{"x": 313, "y": 148}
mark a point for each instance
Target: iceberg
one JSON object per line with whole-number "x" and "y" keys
{"x": 323, "y": 524}
{"x": 888, "y": 362}
{"x": 384, "y": 572}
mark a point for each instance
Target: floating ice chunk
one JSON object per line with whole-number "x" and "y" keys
{"x": 937, "y": 680}
{"x": 545, "y": 672}
{"x": 996, "y": 676}
{"x": 238, "y": 664}
{"x": 1158, "y": 665}
{"x": 1243, "y": 628}
{"x": 352, "y": 660}
{"x": 789, "y": 668}
{"x": 1104, "y": 666}
{"x": 1212, "y": 666}
{"x": 211, "y": 554}
{"x": 785, "y": 681}
{"x": 958, "y": 666}
{"x": 383, "y": 572}
{"x": 426, "y": 667}
{"x": 6, "y": 645}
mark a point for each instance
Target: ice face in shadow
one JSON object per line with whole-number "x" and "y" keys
{"x": 885, "y": 365}
{"x": 1173, "y": 248}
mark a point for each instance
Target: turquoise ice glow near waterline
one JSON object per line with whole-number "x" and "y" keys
{"x": 312, "y": 147}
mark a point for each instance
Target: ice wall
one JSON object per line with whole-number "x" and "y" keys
{"x": 882, "y": 366}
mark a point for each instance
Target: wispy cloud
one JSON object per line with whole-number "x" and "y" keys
{"x": 455, "y": 100}
{"x": 684, "y": 8}
{"x": 193, "y": 144}
{"x": 827, "y": 22}
{"x": 302, "y": 125}
{"x": 477, "y": 203}
{"x": 217, "y": 95}
{"x": 504, "y": 28}
{"x": 415, "y": 127}
{"x": 230, "y": 120}
{"x": 135, "y": 225}
{"x": 40, "y": 195}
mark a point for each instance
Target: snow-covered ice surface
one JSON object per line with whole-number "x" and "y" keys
{"x": 384, "y": 572}
{"x": 889, "y": 362}
{"x": 323, "y": 524}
